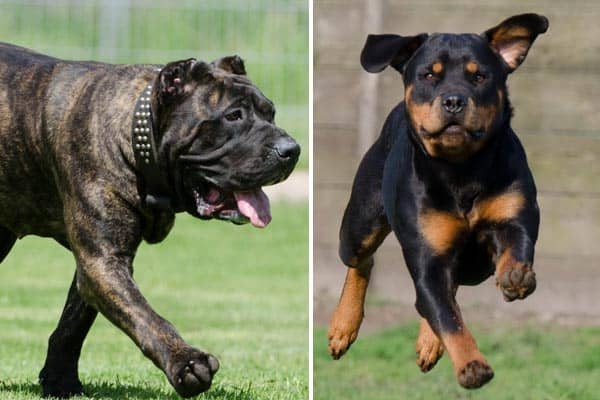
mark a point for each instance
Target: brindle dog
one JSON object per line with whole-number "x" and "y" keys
{"x": 99, "y": 157}
{"x": 449, "y": 176}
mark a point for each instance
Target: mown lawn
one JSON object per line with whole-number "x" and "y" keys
{"x": 238, "y": 292}
{"x": 532, "y": 362}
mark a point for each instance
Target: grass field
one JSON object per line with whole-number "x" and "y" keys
{"x": 530, "y": 362}
{"x": 237, "y": 292}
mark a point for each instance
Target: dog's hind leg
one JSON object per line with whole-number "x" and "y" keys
{"x": 59, "y": 377}
{"x": 435, "y": 286}
{"x": 429, "y": 347}
{"x": 7, "y": 240}
{"x": 363, "y": 229}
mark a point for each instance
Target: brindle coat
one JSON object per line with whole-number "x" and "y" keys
{"x": 67, "y": 171}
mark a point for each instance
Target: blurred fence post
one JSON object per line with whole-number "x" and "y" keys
{"x": 113, "y": 25}
{"x": 367, "y": 109}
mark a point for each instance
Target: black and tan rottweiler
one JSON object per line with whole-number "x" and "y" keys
{"x": 449, "y": 176}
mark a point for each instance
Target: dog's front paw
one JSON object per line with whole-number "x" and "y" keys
{"x": 516, "y": 281}
{"x": 475, "y": 374}
{"x": 193, "y": 372}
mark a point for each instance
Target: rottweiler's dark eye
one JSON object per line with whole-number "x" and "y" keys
{"x": 478, "y": 77}
{"x": 429, "y": 76}
{"x": 234, "y": 116}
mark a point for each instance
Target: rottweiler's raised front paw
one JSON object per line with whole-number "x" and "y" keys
{"x": 193, "y": 374}
{"x": 475, "y": 374}
{"x": 516, "y": 281}
{"x": 428, "y": 347}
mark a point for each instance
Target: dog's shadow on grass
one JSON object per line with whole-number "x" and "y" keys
{"x": 120, "y": 390}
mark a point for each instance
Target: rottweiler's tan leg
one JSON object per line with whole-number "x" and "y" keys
{"x": 429, "y": 347}
{"x": 364, "y": 227}
{"x": 347, "y": 317}
{"x": 471, "y": 368}
{"x": 436, "y": 302}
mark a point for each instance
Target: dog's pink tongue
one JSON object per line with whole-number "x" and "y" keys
{"x": 255, "y": 206}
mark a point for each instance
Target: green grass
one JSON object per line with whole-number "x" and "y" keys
{"x": 532, "y": 362}
{"x": 271, "y": 36}
{"x": 238, "y": 292}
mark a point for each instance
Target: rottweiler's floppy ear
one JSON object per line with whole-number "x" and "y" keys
{"x": 231, "y": 64}
{"x": 173, "y": 79}
{"x": 512, "y": 38}
{"x": 380, "y": 51}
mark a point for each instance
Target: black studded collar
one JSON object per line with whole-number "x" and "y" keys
{"x": 153, "y": 186}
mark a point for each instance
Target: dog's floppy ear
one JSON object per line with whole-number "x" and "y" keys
{"x": 512, "y": 38}
{"x": 173, "y": 80}
{"x": 380, "y": 51}
{"x": 178, "y": 78}
{"x": 231, "y": 64}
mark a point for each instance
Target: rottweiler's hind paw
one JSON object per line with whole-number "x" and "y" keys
{"x": 340, "y": 341}
{"x": 475, "y": 374}
{"x": 428, "y": 347}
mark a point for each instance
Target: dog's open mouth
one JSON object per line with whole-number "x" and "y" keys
{"x": 239, "y": 207}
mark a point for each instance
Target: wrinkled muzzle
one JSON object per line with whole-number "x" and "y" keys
{"x": 226, "y": 183}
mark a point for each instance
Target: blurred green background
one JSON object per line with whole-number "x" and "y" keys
{"x": 271, "y": 36}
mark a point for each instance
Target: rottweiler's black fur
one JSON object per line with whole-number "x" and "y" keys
{"x": 449, "y": 176}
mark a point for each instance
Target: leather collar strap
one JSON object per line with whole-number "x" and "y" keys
{"x": 154, "y": 188}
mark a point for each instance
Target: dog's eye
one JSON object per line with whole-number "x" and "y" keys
{"x": 429, "y": 76}
{"x": 234, "y": 115}
{"x": 478, "y": 77}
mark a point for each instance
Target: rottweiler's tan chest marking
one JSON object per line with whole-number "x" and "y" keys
{"x": 440, "y": 229}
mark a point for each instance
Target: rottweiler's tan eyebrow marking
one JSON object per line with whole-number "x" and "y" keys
{"x": 472, "y": 67}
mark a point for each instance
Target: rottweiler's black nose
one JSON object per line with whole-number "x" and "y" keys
{"x": 287, "y": 148}
{"x": 454, "y": 103}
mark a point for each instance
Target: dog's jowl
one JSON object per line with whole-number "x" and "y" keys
{"x": 450, "y": 178}
{"x": 100, "y": 157}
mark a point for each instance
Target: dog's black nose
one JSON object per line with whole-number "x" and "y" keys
{"x": 287, "y": 148}
{"x": 454, "y": 103}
